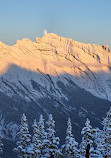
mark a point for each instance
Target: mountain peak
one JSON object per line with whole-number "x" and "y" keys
{"x": 51, "y": 35}
{"x": 56, "y": 56}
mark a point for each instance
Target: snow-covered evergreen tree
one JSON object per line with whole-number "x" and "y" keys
{"x": 99, "y": 141}
{"x": 87, "y": 138}
{"x": 52, "y": 141}
{"x": 107, "y": 134}
{"x": 94, "y": 153}
{"x": 42, "y": 136}
{"x": 70, "y": 148}
{"x": 36, "y": 141}
{"x": 23, "y": 144}
{"x": 41, "y": 128}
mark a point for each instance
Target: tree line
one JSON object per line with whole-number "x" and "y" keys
{"x": 44, "y": 143}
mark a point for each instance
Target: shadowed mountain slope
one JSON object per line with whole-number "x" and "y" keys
{"x": 63, "y": 101}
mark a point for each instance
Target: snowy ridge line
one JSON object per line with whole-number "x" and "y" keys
{"x": 87, "y": 65}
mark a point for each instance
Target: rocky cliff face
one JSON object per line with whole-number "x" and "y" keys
{"x": 88, "y": 65}
{"x": 53, "y": 75}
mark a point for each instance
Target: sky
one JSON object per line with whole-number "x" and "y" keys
{"x": 87, "y": 21}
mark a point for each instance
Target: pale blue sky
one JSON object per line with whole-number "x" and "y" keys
{"x": 86, "y": 21}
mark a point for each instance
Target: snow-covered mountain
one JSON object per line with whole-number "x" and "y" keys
{"x": 54, "y": 75}
{"x": 51, "y": 59}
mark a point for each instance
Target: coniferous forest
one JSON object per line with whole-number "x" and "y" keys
{"x": 44, "y": 143}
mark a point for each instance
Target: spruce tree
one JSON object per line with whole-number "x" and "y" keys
{"x": 87, "y": 138}
{"x": 41, "y": 128}
{"x": 107, "y": 134}
{"x": 70, "y": 148}
{"x": 99, "y": 139}
{"x": 42, "y": 136}
{"x": 94, "y": 153}
{"x": 36, "y": 141}
{"x": 52, "y": 150}
{"x": 23, "y": 144}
